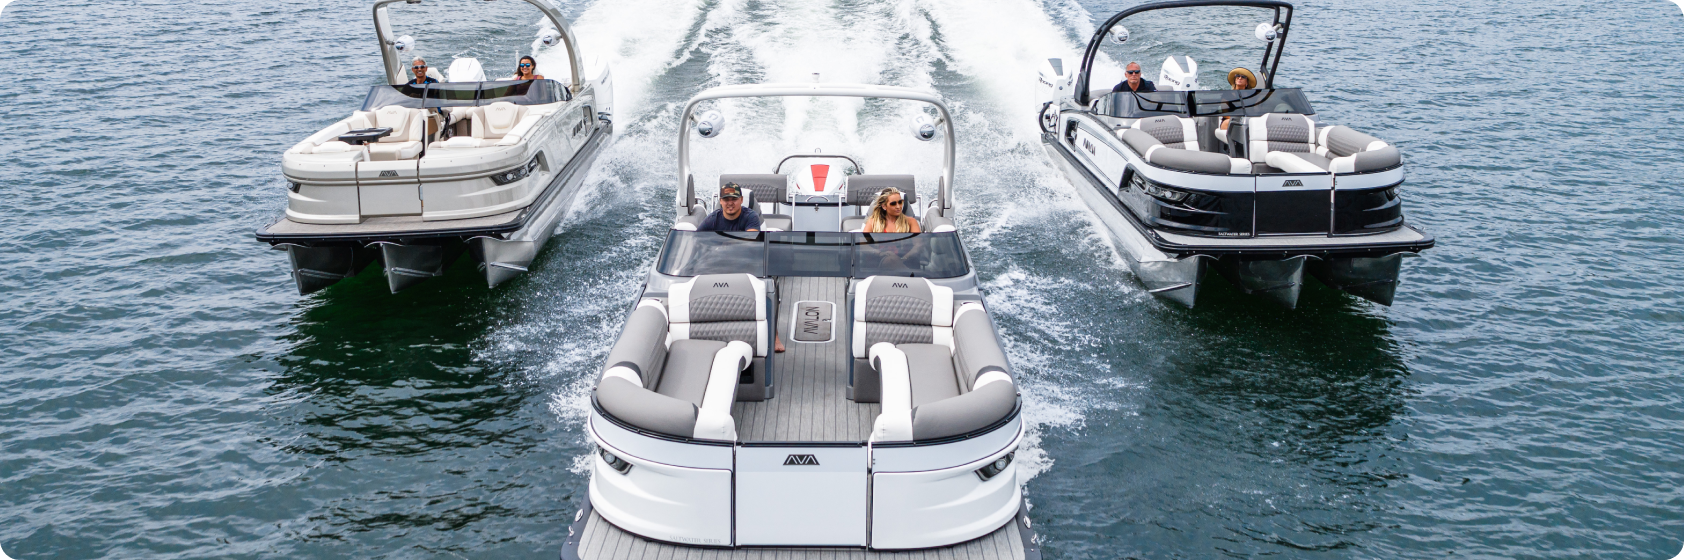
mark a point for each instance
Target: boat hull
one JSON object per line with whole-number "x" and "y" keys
{"x": 502, "y": 249}
{"x": 1173, "y": 266}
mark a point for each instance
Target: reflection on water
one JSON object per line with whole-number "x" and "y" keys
{"x": 1247, "y": 430}
{"x": 374, "y": 379}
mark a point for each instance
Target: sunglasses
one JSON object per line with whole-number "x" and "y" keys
{"x": 524, "y": 65}
{"x": 895, "y": 203}
{"x": 420, "y": 67}
{"x": 1133, "y": 72}
{"x": 731, "y": 197}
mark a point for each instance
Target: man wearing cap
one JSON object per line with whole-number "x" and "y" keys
{"x": 731, "y": 215}
{"x": 1134, "y": 83}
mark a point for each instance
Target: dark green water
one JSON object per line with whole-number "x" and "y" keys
{"x": 165, "y": 394}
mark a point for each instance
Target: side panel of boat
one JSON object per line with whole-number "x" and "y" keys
{"x": 503, "y": 259}
{"x": 674, "y": 504}
{"x": 1165, "y": 276}
{"x": 936, "y": 507}
{"x": 802, "y": 495}
{"x": 673, "y": 491}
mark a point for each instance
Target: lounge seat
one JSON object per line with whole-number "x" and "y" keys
{"x": 1284, "y": 141}
{"x": 497, "y": 124}
{"x": 938, "y": 371}
{"x": 1354, "y": 152}
{"x": 408, "y": 128}
{"x": 677, "y": 368}
{"x": 1156, "y": 152}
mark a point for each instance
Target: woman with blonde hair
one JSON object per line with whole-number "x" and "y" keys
{"x": 888, "y": 214}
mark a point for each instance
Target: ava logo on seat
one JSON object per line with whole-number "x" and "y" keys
{"x": 388, "y": 173}
{"x": 801, "y": 459}
{"x": 899, "y": 285}
{"x": 721, "y": 284}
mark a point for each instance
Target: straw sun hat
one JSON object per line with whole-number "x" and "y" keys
{"x": 1250, "y": 78}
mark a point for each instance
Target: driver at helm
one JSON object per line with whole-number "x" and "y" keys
{"x": 1134, "y": 82}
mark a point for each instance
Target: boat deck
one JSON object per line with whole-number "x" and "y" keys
{"x": 810, "y": 379}
{"x": 602, "y": 540}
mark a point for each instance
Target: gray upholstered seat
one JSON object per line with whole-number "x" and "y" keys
{"x": 938, "y": 372}
{"x": 676, "y": 368}
{"x": 1284, "y": 141}
{"x": 1155, "y": 152}
{"x": 1354, "y": 152}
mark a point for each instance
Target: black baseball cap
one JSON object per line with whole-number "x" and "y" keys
{"x": 730, "y": 190}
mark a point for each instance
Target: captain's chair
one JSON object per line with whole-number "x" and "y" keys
{"x": 408, "y": 127}
{"x": 766, "y": 192}
{"x": 498, "y": 124}
{"x": 863, "y": 189}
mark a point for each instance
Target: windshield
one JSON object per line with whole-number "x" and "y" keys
{"x": 814, "y": 254}
{"x": 466, "y": 94}
{"x": 1237, "y": 103}
{"x": 401, "y": 95}
{"x": 1250, "y": 102}
{"x": 1140, "y": 105}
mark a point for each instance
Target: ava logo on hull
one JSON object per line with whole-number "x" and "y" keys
{"x": 801, "y": 460}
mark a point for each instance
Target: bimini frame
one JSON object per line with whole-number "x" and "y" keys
{"x": 1283, "y": 19}
{"x": 945, "y": 120}
{"x": 394, "y": 66}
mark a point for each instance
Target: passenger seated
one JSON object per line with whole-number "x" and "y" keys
{"x": 527, "y": 69}
{"x": 419, "y": 68}
{"x": 1134, "y": 83}
{"x": 888, "y": 214}
{"x": 731, "y": 215}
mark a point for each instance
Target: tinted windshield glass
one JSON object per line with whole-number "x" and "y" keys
{"x": 522, "y": 92}
{"x": 1133, "y": 105}
{"x": 694, "y": 253}
{"x": 1251, "y": 102}
{"x": 401, "y": 95}
{"x": 926, "y": 255}
{"x": 816, "y": 254}
{"x": 452, "y": 95}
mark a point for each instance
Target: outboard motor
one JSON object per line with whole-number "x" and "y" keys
{"x": 1179, "y": 73}
{"x": 1054, "y": 82}
{"x": 466, "y": 70}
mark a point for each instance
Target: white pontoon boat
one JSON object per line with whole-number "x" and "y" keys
{"x": 420, "y": 173}
{"x": 891, "y": 422}
{"x": 1276, "y": 192}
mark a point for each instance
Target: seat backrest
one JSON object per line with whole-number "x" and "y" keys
{"x": 1279, "y": 132}
{"x": 862, "y": 189}
{"x": 1172, "y": 131}
{"x": 766, "y": 189}
{"x": 402, "y": 122}
{"x": 499, "y": 118}
{"x": 722, "y": 307}
{"x": 901, "y": 310}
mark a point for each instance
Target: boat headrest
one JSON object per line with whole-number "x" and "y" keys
{"x": 862, "y": 189}
{"x": 764, "y": 188}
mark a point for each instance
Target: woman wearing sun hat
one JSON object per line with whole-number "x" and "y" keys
{"x": 1239, "y": 78}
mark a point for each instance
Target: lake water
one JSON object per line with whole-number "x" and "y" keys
{"x": 164, "y": 393}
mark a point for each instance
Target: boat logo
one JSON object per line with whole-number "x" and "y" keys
{"x": 801, "y": 459}
{"x": 388, "y": 173}
{"x": 898, "y": 285}
{"x": 1293, "y": 183}
{"x": 578, "y": 127}
{"x": 1088, "y": 145}
{"x": 721, "y": 284}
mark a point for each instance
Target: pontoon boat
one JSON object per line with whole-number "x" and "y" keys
{"x": 420, "y": 173}
{"x": 1274, "y": 192}
{"x": 890, "y": 424}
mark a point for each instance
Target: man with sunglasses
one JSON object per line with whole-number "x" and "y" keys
{"x": 419, "y": 68}
{"x": 1134, "y": 83}
{"x": 731, "y": 215}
